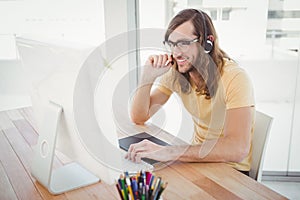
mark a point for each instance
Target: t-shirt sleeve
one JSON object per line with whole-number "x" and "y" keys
{"x": 239, "y": 92}
{"x": 165, "y": 90}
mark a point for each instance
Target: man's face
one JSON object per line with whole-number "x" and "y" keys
{"x": 184, "y": 58}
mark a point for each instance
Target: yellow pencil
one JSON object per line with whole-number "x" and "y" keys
{"x": 127, "y": 179}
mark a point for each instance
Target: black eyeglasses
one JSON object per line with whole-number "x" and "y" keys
{"x": 182, "y": 45}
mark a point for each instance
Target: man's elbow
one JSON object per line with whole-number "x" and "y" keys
{"x": 240, "y": 154}
{"x": 138, "y": 119}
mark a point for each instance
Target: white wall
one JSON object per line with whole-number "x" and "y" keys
{"x": 274, "y": 81}
{"x": 14, "y": 88}
{"x": 76, "y": 20}
{"x": 71, "y": 20}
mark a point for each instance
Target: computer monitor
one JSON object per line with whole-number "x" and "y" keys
{"x": 64, "y": 78}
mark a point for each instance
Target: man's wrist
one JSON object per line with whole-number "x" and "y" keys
{"x": 146, "y": 79}
{"x": 175, "y": 152}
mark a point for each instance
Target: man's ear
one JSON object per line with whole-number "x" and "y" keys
{"x": 211, "y": 38}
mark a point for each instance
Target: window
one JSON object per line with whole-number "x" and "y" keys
{"x": 226, "y": 13}
{"x": 280, "y": 14}
{"x": 213, "y": 14}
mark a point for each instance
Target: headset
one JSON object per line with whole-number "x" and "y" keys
{"x": 208, "y": 41}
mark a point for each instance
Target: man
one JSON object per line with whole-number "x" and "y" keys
{"x": 213, "y": 88}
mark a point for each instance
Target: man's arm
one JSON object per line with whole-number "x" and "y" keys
{"x": 144, "y": 104}
{"x": 233, "y": 147}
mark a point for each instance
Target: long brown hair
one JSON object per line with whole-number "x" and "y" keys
{"x": 209, "y": 67}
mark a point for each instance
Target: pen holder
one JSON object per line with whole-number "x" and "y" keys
{"x": 143, "y": 185}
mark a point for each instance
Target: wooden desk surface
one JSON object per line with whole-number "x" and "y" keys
{"x": 186, "y": 180}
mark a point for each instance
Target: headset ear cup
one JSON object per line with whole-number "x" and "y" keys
{"x": 208, "y": 46}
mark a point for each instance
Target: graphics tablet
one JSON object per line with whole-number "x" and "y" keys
{"x": 124, "y": 143}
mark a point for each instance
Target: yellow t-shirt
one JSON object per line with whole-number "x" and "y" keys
{"x": 234, "y": 91}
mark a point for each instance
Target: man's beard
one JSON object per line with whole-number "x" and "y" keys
{"x": 192, "y": 68}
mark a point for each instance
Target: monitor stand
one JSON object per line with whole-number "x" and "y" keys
{"x": 68, "y": 177}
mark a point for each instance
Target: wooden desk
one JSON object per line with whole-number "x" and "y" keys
{"x": 186, "y": 180}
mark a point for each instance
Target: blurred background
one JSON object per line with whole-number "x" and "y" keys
{"x": 263, "y": 36}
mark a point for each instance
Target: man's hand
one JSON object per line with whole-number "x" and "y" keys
{"x": 155, "y": 66}
{"x": 148, "y": 149}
